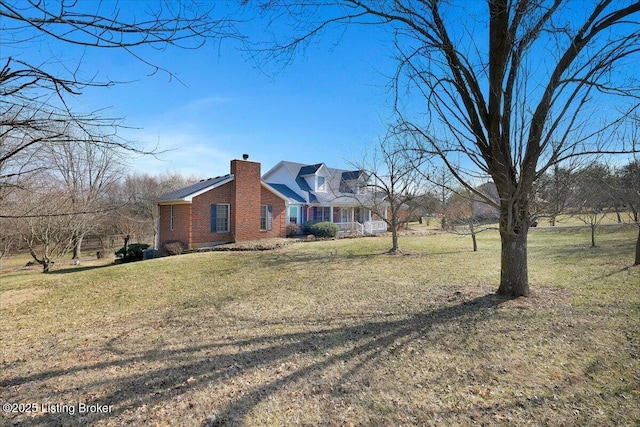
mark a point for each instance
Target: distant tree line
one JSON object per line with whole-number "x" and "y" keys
{"x": 563, "y": 190}
{"x": 588, "y": 192}
{"x": 83, "y": 194}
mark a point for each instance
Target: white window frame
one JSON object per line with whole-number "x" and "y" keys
{"x": 298, "y": 213}
{"x": 328, "y": 210}
{"x": 364, "y": 215}
{"x": 226, "y": 218}
{"x": 266, "y": 217}
{"x": 346, "y": 214}
{"x": 321, "y": 186}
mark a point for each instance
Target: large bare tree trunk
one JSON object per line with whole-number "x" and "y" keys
{"x": 514, "y": 230}
{"x": 514, "y": 279}
{"x": 395, "y": 249}
{"x": 395, "y": 225}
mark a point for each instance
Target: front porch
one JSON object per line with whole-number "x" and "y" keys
{"x": 351, "y": 220}
{"x": 356, "y": 228}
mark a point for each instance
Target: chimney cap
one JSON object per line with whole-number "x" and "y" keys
{"x": 245, "y": 157}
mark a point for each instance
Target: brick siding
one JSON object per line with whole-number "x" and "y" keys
{"x": 201, "y": 216}
{"x": 279, "y": 225}
{"x": 181, "y": 224}
{"x": 246, "y": 210}
{"x": 244, "y": 195}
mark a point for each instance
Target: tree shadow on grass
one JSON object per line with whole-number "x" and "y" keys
{"x": 329, "y": 257}
{"x": 324, "y": 258}
{"x": 356, "y": 346}
{"x": 80, "y": 268}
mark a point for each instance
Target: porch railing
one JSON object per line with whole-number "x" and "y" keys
{"x": 361, "y": 229}
{"x": 349, "y": 228}
{"x": 373, "y": 227}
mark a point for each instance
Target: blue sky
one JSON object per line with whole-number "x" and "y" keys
{"x": 330, "y": 105}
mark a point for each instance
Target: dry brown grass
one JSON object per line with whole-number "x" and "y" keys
{"x": 332, "y": 333}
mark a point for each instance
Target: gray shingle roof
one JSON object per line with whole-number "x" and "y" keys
{"x": 338, "y": 192}
{"x": 185, "y": 192}
{"x": 287, "y": 192}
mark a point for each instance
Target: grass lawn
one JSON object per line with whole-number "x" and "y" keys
{"x": 332, "y": 333}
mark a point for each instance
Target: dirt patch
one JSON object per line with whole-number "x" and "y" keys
{"x": 253, "y": 245}
{"x": 541, "y": 297}
{"x": 418, "y": 232}
{"x": 18, "y": 296}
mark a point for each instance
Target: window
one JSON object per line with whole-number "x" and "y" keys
{"x": 322, "y": 214}
{"x": 219, "y": 218}
{"x": 171, "y": 217}
{"x": 345, "y": 215}
{"x": 363, "y": 215}
{"x": 266, "y": 217}
{"x": 321, "y": 183}
{"x": 293, "y": 214}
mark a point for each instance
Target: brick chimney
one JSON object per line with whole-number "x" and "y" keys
{"x": 245, "y": 212}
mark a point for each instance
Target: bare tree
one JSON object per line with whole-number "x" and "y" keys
{"x": 626, "y": 192}
{"x": 592, "y": 196}
{"x": 34, "y": 97}
{"x": 44, "y": 221}
{"x": 394, "y": 181}
{"x": 424, "y": 205}
{"x": 84, "y": 171}
{"x": 133, "y": 202}
{"x": 528, "y": 97}
{"x": 629, "y": 180}
{"x": 627, "y": 188}
{"x": 553, "y": 192}
{"x": 442, "y": 182}
{"x": 9, "y": 239}
{"x": 461, "y": 212}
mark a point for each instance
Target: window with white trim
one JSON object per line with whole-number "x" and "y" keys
{"x": 363, "y": 215}
{"x": 294, "y": 212}
{"x": 266, "y": 217}
{"x": 345, "y": 214}
{"x": 322, "y": 213}
{"x": 220, "y": 218}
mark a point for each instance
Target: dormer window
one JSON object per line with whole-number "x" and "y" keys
{"x": 316, "y": 177}
{"x": 321, "y": 186}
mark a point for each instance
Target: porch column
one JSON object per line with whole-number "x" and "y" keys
{"x": 330, "y": 213}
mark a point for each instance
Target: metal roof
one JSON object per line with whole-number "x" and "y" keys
{"x": 186, "y": 193}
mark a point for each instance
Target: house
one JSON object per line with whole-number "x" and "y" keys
{"x": 319, "y": 193}
{"x": 243, "y": 206}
